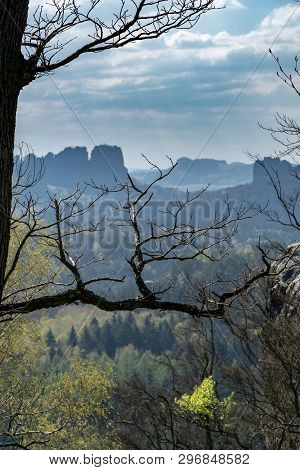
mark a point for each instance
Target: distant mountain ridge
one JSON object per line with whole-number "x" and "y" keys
{"x": 200, "y": 172}
{"x": 105, "y": 166}
{"x": 73, "y": 165}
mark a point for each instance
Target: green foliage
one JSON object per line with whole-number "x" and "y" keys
{"x": 130, "y": 363}
{"x": 66, "y": 409}
{"x": 80, "y": 400}
{"x": 204, "y": 402}
{"x": 35, "y": 265}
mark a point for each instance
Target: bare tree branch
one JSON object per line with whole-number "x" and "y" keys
{"x": 52, "y": 29}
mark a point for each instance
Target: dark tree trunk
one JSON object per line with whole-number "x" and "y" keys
{"x": 13, "y": 17}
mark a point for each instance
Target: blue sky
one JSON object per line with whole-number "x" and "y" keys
{"x": 179, "y": 95}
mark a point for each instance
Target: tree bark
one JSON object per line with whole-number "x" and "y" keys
{"x": 13, "y": 18}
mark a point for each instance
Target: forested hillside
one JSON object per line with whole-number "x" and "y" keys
{"x": 158, "y": 308}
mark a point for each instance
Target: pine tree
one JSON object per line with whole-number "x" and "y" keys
{"x": 72, "y": 338}
{"x": 85, "y": 341}
{"x": 52, "y": 344}
{"x": 132, "y": 334}
{"x": 109, "y": 344}
{"x": 117, "y": 330}
{"x": 50, "y": 338}
{"x": 96, "y": 335}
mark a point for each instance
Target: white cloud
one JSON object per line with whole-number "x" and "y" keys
{"x": 281, "y": 28}
{"x": 172, "y": 59}
{"x": 138, "y": 66}
{"x": 262, "y": 84}
{"x": 165, "y": 95}
{"x": 280, "y": 16}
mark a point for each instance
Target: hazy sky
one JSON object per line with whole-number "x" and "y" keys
{"x": 182, "y": 95}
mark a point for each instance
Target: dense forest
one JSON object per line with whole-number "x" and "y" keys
{"x": 78, "y": 376}
{"x": 81, "y": 376}
{"x": 154, "y": 380}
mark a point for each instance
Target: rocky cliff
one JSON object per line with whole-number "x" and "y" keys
{"x": 284, "y": 293}
{"x": 74, "y": 165}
